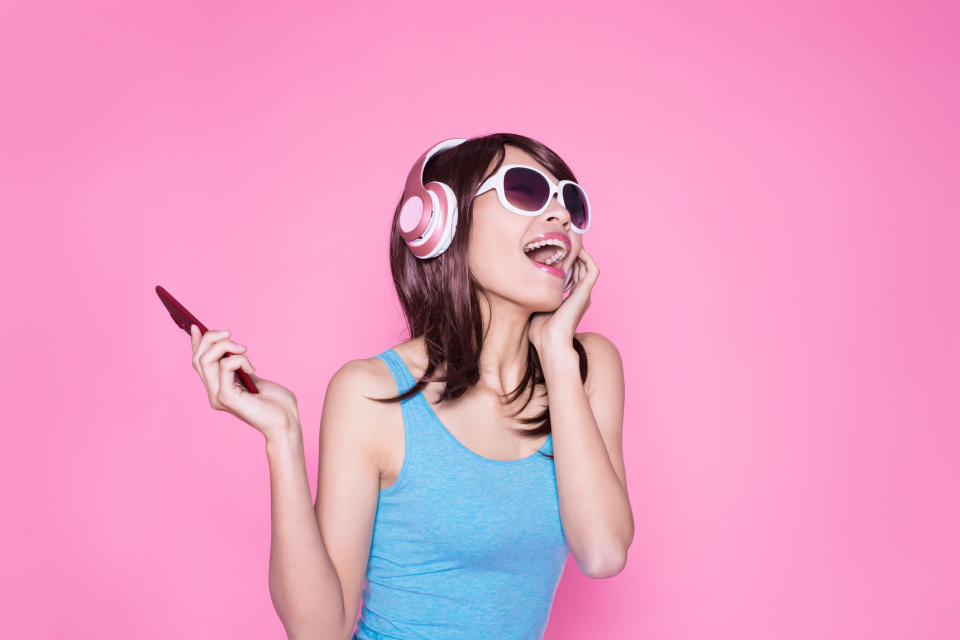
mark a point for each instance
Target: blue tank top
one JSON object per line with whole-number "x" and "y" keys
{"x": 463, "y": 546}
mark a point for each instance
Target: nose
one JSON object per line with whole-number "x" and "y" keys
{"x": 557, "y": 211}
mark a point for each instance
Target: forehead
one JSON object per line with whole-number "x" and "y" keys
{"x": 516, "y": 155}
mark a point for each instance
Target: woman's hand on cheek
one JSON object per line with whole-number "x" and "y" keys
{"x": 552, "y": 331}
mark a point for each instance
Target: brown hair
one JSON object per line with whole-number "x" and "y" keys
{"x": 440, "y": 297}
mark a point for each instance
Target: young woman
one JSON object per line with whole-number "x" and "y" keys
{"x": 434, "y": 504}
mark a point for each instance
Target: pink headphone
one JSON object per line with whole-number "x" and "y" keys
{"x": 428, "y": 217}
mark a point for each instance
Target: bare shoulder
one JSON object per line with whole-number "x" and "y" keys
{"x": 603, "y": 357}
{"x": 371, "y": 377}
{"x": 365, "y": 378}
{"x": 352, "y": 391}
{"x": 598, "y": 343}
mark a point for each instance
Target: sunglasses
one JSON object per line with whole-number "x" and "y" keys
{"x": 528, "y": 191}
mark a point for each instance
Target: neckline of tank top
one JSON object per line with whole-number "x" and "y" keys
{"x": 443, "y": 427}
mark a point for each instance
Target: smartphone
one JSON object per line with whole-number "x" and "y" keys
{"x": 184, "y": 319}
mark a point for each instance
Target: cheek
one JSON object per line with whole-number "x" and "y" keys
{"x": 494, "y": 239}
{"x": 492, "y": 255}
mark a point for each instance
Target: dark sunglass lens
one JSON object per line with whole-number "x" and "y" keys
{"x": 576, "y": 203}
{"x": 525, "y": 189}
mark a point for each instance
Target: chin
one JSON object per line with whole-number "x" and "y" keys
{"x": 533, "y": 290}
{"x": 542, "y": 298}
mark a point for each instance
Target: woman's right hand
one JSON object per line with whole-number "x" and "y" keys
{"x": 273, "y": 411}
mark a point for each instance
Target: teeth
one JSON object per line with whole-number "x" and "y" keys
{"x": 556, "y": 243}
{"x": 560, "y": 255}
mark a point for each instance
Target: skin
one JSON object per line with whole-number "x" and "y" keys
{"x": 516, "y": 287}
{"x": 362, "y": 442}
{"x": 525, "y": 304}
{"x": 480, "y": 419}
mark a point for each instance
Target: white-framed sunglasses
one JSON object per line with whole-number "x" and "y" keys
{"x": 527, "y": 190}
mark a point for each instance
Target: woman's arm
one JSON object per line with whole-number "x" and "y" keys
{"x": 591, "y": 482}
{"x": 319, "y": 551}
{"x": 304, "y": 585}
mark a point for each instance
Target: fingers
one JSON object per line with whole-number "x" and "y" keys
{"x": 216, "y": 351}
{"x": 584, "y": 269}
{"x": 205, "y": 342}
{"x": 587, "y": 260}
{"x": 208, "y": 352}
{"x": 228, "y": 368}
{"x": 212, "y": 336}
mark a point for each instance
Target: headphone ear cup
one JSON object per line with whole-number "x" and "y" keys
{"x": 428, "y": 216}
{"x": 440, "y": 224}
{"x": 450, "y": 227}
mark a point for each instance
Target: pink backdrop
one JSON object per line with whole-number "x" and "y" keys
{"x": 775, "y": 191}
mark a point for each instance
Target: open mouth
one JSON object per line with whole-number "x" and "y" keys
{"x": 547, "y": 254}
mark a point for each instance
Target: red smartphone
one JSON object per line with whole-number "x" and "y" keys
{"x": 184, "y": 319}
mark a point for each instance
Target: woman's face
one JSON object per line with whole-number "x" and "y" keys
{"x": 497, "y": 238}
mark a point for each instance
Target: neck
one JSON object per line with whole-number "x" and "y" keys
{"x": 503, "y": 357}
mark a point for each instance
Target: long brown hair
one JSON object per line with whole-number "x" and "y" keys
{"x": 440, "y": 296}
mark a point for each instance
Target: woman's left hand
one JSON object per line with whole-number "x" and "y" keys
{"x": 554, "y": 330}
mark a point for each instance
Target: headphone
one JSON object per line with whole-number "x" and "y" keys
{"x": 428, "y": 216}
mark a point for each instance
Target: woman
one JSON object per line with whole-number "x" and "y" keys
{"x": 433, "y": 504}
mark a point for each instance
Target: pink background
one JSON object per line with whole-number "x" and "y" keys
{"x": 775, "y": 191}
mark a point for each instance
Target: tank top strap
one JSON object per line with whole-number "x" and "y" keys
{"x": 401, "y": 374}
{"x": 418, "y": 438}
